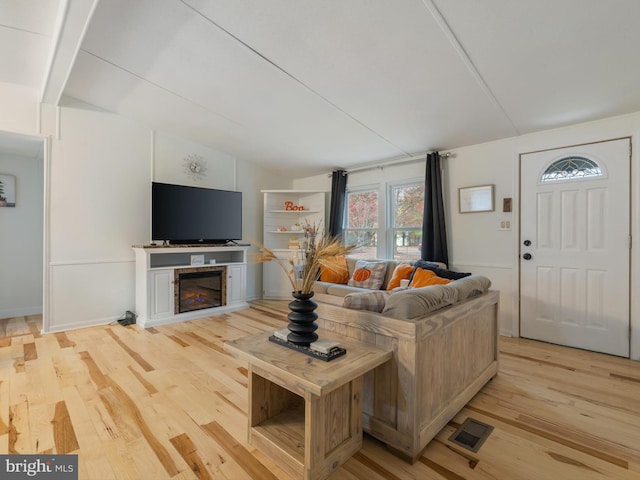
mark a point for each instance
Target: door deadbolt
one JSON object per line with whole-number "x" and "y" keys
{"x": 527, "y": 243}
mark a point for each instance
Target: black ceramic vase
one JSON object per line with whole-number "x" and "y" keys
{"x": 302, "y": 319}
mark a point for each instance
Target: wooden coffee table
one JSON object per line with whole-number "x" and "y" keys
{"x": 305, "y": 413}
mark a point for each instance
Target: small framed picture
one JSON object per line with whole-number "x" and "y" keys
{"x": 476, "y": 199}
{"x": 7, "y": 190}
{"x": 197, "y": 259}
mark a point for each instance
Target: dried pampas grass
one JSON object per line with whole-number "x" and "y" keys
{"x": 303, "y": 268}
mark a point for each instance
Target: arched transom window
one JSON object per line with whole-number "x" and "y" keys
{"x": 573, "y": 167}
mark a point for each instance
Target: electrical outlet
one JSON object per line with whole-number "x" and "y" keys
{"x": 505, "y": 225}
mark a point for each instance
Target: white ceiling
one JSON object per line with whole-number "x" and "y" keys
{"x": 22, "y": 145}
{"x": 306, "y": 86}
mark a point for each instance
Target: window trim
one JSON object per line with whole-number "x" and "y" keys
{"x": 381, "y": 217}
{"x": 386, "y": 214}
{"x": 391, "y": 214}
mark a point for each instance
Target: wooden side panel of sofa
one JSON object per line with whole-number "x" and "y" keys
{"x": 457, "y": 356}
{"x": 439, "y": 363}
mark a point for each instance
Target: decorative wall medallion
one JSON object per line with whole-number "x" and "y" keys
{"x": 195, "y": 167}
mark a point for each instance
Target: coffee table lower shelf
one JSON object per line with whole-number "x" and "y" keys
{"x": 285, "y": 433}
{"x": 304, "y": 413}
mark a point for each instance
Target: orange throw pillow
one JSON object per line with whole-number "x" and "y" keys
{"x": 424, "y": 278}
{"x": 334, "y": 270}
{"x": 402, "y": 271}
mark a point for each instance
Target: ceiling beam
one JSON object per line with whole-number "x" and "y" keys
{"x": 73, "y": 20}
{"x": 462, "y": 53}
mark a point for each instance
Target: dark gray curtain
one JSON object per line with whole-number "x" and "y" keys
{"x": 338, "y": 197}
{"x": 434, "y": 234}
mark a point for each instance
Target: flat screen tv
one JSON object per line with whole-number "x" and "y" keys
{"x": 194, "y": 215}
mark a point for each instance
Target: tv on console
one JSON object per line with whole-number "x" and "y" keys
{"x": 194, "y": 215}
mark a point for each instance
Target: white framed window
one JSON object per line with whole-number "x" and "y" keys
{"x": 361, "y": 222}
{"x": 385, "y": 221}
{"x": 406, "y": 207}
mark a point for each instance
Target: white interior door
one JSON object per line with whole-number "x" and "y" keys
{"x": 575, "y": 246}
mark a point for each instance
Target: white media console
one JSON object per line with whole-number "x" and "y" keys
{"x": 157, "y": 268}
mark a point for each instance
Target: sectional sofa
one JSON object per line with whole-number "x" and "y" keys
{"x": 445, "y": 349}
{"x": 403, "y": 301}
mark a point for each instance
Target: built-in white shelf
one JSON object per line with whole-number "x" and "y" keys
{"x": 276, "y": 217}
{"x": 298, "y": 212}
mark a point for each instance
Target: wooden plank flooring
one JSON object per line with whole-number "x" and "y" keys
{"x": 15, "y": 326}
{"x": 168, "y": 402}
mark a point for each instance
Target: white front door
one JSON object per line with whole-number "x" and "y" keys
{"x": 574, "y": 246}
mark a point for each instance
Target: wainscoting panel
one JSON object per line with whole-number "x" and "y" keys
{"x": 92, "y": 293}
{"x": 504, "y": 279}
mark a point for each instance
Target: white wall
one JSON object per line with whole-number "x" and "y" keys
{"x": 99, "y": 207}
{"x": 476, "y": 243}
{"x": 227, "y": 173}
{"x": 19, "y": 112}
{"x": 251, "y": 180}
{"x": 100, "y": 169}
{"x": 169, "y": 156}
{"x": 101, "y": 166}
{"x": 21, "y": 243}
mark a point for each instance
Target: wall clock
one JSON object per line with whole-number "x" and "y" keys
{"x": 195, "y": 167}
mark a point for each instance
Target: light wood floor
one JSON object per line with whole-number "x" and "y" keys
{"x": 168, "y": 402}
{"x": 12, "y": 327}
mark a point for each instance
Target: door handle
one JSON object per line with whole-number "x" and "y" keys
{"x": 527, "y": 256}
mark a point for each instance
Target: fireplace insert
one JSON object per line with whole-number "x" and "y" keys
{"x": 199, "y": 288}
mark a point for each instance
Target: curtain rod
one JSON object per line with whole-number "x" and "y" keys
{"x": 398, "y": 161}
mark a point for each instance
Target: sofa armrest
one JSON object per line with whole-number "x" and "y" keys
{"x": 373, "y": 301}
{"x": 412, "y": 303}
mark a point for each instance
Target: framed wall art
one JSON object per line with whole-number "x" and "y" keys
{"x": 7, "y": 190}
{"x": 476, "y": 199}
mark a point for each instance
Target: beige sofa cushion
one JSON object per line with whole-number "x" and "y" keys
{"x": 372, "y": 301}
{"x": 342, "y": 290}
{"x": 470, "y": 286}
{"x": 411, "y": 303}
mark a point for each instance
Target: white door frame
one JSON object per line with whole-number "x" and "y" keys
{"x": 635, "y": 230}
{"x": 46, "y": 159}
{"x": 46, "y": 254}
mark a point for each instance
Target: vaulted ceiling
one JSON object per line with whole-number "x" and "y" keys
{"x": 306, "y": 86}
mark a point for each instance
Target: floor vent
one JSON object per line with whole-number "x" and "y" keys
{"x": 471, "y": 434}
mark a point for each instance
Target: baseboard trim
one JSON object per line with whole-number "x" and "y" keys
{"x": 75, "y": 326}
{"x": 197, "y": 314}
{"x": 21, "y": 312}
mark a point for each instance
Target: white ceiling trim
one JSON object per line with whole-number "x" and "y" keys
{"x": 21, "y": 145}
{"x": 74, "y": 17}
{"x": 161, "y": 87}
{"x": 462, "y": 53}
